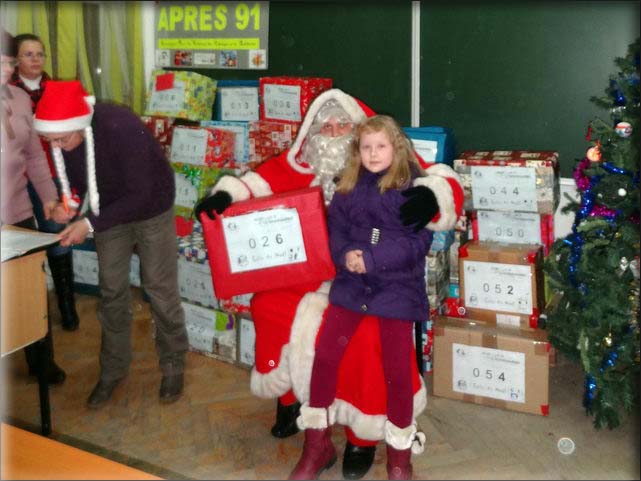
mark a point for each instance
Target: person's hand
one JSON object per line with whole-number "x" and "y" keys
{"x": 217, "y": 202}
{"x": 354, "y": 261}
{"x": 56, "y": 211}
{"x": 419, "y": 208}
{"x": 74, "y": 233}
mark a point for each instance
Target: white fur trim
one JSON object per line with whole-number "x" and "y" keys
{"x": 312, "y": 418}
{"x": 250, "y": 184}
{"x": 443, "y": 170}
{"x": 307, "y": 321}
{"x": 371, "y": 426}
{"x": 346, "y": 101}
{"x": 405, "y": 438}
{"x": 258, "y": 186}
{"x": 276, "y": 382}
{"x": 445, "y": 200}
{"x": 234, "y": 187}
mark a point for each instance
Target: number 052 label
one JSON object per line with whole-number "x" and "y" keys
{"x": 262, "y": 239}
{"x": 493, "y": 373}
{"x": 498, "y": 287}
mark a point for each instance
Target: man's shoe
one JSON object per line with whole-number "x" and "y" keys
{"x": 171, "y": 388}
{"x": 357, "y": 460}
{"x": 101, "y": 393}
{"x": 286, "y": 420}
{"x": 54, "y": 374}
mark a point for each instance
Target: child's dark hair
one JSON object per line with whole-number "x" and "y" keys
{"x": 404, "y": 166}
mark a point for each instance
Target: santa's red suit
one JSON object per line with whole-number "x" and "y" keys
{"x": 288, "y": 320}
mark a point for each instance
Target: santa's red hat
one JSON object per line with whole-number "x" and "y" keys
{"x": 64, "y": 107}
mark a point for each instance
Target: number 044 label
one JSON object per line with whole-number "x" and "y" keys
{"x": 493, "y": 373}
{"x": 262, "y": 239}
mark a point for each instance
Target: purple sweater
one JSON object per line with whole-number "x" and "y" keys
{"x": 135, "y": 180}
{"x": 394, "y": 285}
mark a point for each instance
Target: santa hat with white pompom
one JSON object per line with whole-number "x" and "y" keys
{"x": 66, "y": 107}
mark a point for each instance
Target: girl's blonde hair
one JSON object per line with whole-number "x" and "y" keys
{"x": 404, "y": 165}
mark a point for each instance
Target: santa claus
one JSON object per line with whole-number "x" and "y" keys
{"x": 287, "y": 320}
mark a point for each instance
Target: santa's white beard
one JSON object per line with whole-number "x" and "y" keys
{"x": 327, "y": 156}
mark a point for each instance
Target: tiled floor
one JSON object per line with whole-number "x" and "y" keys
{"x": 219, "y": 430}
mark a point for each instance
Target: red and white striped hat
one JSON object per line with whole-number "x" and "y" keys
{"x": 66, "y": 107}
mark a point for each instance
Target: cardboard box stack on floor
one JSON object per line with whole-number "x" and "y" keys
{"x": 495, "y": 352}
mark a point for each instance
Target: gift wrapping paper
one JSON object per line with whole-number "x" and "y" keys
{"x": 182, "y": 94}
{"x": 286, "y": 99}
{"x": 544, "y": 163}
{"x": 241, "y": 140}
{"x": 193, "y": 182}
{"x": 161, "y": 128}
{"x": 268, "y": 139}
{"x": 203, "y": 146}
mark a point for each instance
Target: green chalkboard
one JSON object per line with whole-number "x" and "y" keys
{"x": 363, "y": 46}
{"x": 501, "y": 75}
{"x": 519, "y": 75}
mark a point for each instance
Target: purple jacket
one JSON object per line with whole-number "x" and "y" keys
{"x": 394, "y": 285}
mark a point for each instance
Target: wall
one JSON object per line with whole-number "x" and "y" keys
{"x": 502, "y": 75}
{"x": 519, "y": 75}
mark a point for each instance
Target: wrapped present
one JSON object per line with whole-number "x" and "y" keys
{"x": 268, "y": 139}
{"x": 492, "y": 366}
{"x": 161, "y": 128}
{"x": 246, "y": 342}
{"x": 433, "y": 144}
{"x": 523, "y": 181}
{"x": 269, "y": 242}
{"x": 442, "y": 240}
{"x": 502, "y": 283}
{"x": 239, "y": 304}
{"x": 286, "y": 99}
{"x": 437, "y": 270}
{"x": 207, "y": 146}
{"x": 241, "y": 140}
{"x": 193, "y": 182}
{"x": 237, "y": 100}
{"x": 513, "y": 227}
{"x": 181, "y": 94}
{"x": 194, "y": 274}
{"x": 211, "y": 332}
{"x": 428, "y": 342}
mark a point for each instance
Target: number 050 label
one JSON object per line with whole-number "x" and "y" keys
{"x": 483, "y": 371}
{"x": 264, "y": 239}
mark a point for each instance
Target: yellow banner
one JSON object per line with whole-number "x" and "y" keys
{"x": 209, "y": 43}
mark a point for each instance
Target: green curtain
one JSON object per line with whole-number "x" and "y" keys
{"x": 117, "y": 67}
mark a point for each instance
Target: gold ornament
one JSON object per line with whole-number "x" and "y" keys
{"x": 608, "y": 340}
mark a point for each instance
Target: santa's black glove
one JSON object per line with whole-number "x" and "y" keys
{"x": 217, "y": 202}
{"x": 419, "y": 208}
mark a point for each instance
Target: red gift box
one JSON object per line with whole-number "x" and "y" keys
{"x": 230, "y": 280}
{"x": 268, "y": 139}
{"x": 218, "y": 149}
{"x": 161, "y": 128}
{"x": 286, "y": 99}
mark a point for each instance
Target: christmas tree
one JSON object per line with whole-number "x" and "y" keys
{"x": 594, "y": 271}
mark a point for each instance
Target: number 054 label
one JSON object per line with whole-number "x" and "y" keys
{"x": 493, "y": 373}
{"x": 264, "y": 239}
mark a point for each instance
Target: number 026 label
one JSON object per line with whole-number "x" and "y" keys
{"x": 264, "y": 239}
{"x": 493, "y": 373}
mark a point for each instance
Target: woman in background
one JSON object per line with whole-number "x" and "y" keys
{"x": 22, "y": 158}
{"x": 29, "y": 75}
